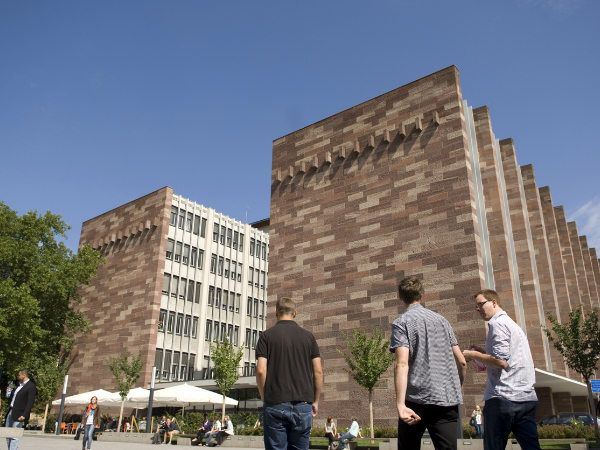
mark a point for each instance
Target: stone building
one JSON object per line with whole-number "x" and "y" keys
{"x": 415, "y": 182}
{"x": 178, "y": 277}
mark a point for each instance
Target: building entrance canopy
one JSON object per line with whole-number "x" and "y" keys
{"x": 559, "y": 383}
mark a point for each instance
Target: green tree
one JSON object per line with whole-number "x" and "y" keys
{"x": 126, "y": 374}
{"x": 369, "y": 358}
{"x": 225, "y": 366}
{"x": 578, "y": 341}
{"x": 39, "y": 281}
{"x": 49, "y": 377}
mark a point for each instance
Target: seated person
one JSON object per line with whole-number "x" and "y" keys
{"x": 160, "y": 431}
{"x": 227, "y": 430}
{"x": 214, "y": 430}
{"x": 171, "y": 429}
{"x": 204, "y": 428}
{"x": 352, "y": 433}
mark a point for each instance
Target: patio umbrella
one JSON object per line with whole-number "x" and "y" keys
{"x": 104, "y": 398}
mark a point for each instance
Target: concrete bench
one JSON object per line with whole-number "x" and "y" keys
{"x": 244, "y": 441}
{"x": 12, "y": 433}
{"x": 139, "y": 438}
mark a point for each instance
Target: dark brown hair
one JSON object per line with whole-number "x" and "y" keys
{"x": 410, "y": 289}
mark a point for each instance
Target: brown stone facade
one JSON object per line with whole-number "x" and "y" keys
{"x": 123, "y": 302}
{"x": 388, "y": 189}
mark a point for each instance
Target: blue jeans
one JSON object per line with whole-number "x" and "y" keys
{"x": 13, "y": 444}
{"x": 478, "y": 431}
{"x": 88, "y": 435}
{"x": 502, "y": 416}
{"x": 344, "y": 438}
{"x": 287, "y": 425}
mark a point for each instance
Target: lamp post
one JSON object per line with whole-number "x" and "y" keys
{"x": 62, "y": 405}
{"x": 149, "y": 418}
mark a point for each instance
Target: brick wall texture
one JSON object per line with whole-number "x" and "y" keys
{"x": 386, "y": 189}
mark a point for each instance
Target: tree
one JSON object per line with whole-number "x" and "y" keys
{"x": 225, "y": 366}
{"x": 578, "y": 341}
{"x": 369, "y": 358}
{"x": 126, "y": 374}
{"x": 39, "y": 281}
{"x": 49, "y": 377}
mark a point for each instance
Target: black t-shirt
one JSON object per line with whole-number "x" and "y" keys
{"x": 289, "y": 350}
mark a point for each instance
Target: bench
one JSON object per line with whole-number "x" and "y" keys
{"x": 139, "y": 438}
{"x": 11, "y": 433}
{"x": 229, "y": 441}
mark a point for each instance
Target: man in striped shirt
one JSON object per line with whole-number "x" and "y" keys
{"x": 428, "y": 373}
{"x": 510, "y": 399}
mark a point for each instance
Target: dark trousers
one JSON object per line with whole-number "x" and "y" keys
{"x": 440, "y": 421}
{"x": 330, "y": 437}
{"x": 501, "y": 416}
{"x": 199, "y": 436}
{"x": 221, "y": 435}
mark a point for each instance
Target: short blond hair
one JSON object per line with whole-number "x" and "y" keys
{"x": 285, "y": 306}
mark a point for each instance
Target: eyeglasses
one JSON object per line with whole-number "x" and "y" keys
{"x": 480, "y": 304}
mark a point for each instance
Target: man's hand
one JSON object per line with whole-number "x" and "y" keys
{"x": 21, "y": 419}
{"x": 315, "y": 408}
{"x": 470, "y": 354}
{"x": 407, "y": 415}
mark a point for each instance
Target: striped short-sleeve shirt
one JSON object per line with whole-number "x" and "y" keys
{"x": 432, "y": 373}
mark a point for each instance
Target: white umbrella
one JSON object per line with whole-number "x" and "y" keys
{"x": 104, "y": 397}
{"x": 139, "y": 394}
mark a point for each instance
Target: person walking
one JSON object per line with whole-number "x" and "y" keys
{"x": 289, "y": 376}
{"x": 476, "y": 418}
{"x": 510, "y": 399}
{"x": 20, "y": 402}
{"x": 353, "y": 433}
{"x": 90, "y": 420}
{"x": 428, "y": 372}
{"x": 330, "y": 431}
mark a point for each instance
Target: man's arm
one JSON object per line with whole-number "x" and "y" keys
{"x": 401, "y": 382}
{"x": 31, "y": 393}
{"x": 488, "y": 360}
{"x": 261, "y": 376}
{"x": 461, "y": 363}
{"x": 318, "y": 382}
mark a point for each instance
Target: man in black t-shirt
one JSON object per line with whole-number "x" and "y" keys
{"x": 289, "y": 377}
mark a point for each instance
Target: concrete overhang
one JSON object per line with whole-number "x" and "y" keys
{"x": 559, "y": 383}
{"x": 241, "y": 383}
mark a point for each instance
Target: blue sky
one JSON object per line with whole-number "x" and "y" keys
{"x": 104, "y": 102}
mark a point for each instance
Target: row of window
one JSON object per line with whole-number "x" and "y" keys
{"x": 251, "y": 336}
{"x": 223, "y": 332}
{"x": 189, "y": 290}
{"x": 257, "y": 313}
{"x": 174, "y": 366}
{"x": 259, "y": 245}
{"x": 226, "y": 236}
{"x": 225, "y": 267}
{"x": 248, "y": 370}
{"x": 193, "y": 223}
{"x": 222, "y": 298}
{"x": 184, "y": 254}
{"x": 257, "y": 277}
{"x": 178, "y": 324}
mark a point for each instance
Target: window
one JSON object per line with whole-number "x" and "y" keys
{"x": 171, "y": 322}
{"x": 179, "y": 324}
{"x": 227, "y": 267}
{"x": 216, "y": 333}
{"x": 183, "y": 367}
{"x": 182, "y": 288}
{"x": 208, "y": 333}
{"x": 211, "y": 295}
{"x": 239, "y": 272}
{"x": 231, "y": 300}
{"x": 233, "y": 266}
{"x": 250, "y": 276}
{"x": 241, "y": 242}
{"x": 173, "y": 220}
{"x": 223, "y": 332}
{"x": 262, "y": 310}
{"x": 236, "y": 236}
{"x": 256, "y": 274}
{"x": 190, "y": 291}
{"x": 218, "y": 298}
{"x": 191, "y": 367}
{"x": 178, "y": 251}
{"x": 188, "y": 222}
{"x": 158, "y": 357}
{"x": 252, "y": 369}
{"x": 229, "y": 233}
{"x": 247, "y": 369}
{"x": 187, "y": 325}
{"x": 206, "y": 375}
{"x": 216, "y": 232}
{"x": 203, "y": 228}
{"x": 248, "y": 331}
{"x": 222, "y": 240}
{"x": 252, "y": 243}
{"x": 220, "y": 268}
{"x": 181, "y": 218}
{"x": 266, "y": 280}
{"x": 198, "y": 291}
{"x": 166, "y": 365}
{"x": 213, "y": 263}
{"x": 175, "y": 365}
{"x": 254, "y": 339}
{"x": 238, "y": 300}
{"x": 225, "y": 298}
{"x": 195, "y": 327}
{"x": 166, "y": 280}
{"x": 186, "y": 254}
{"x": 161, "y": 320}
{"x": 262, "y": 279}
{"x": 230, "y": 333}
{"x": 257, "y": 249}
{"x": 255, "y": 307}
{"x": 193, "y": 257}
{"x": 174, "y": 286}
{"x": 200, "y": 259}
{"x": 170, "y": 248}
{"x": 196, "y": 225}
{"x": 249, "y": 307}
{"x": 236, "y": 335}
{"x": 264, "y": 250}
